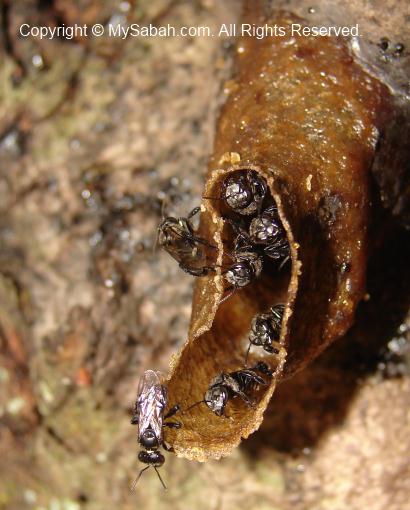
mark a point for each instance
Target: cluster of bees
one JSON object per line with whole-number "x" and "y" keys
{"x": 258, "y": 237}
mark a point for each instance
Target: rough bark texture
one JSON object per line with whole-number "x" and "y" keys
{"x": 94, "y": 134}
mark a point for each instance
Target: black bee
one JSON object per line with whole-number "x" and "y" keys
{"x": 177, "y": 237}
{"x": 267, "y": 230}
{"x": 244, "y": 191}
{"x": 265, "y": 330}
{"x": 149, "y": 416}
{"x": 240, "y": 383}
{"x": 247, "y": 267}
{"x": 266, "y": 236}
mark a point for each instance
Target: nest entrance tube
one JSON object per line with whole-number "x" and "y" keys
{"x": 303, "y": 115}
{"x": 221, "y": 343}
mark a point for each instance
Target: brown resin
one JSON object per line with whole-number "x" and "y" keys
{"x": 304, "y": 115}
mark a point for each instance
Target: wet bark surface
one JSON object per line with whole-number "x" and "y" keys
{"x": 94, "y": 135}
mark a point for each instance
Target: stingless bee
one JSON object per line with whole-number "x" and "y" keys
{"x": 227, "y": 386}
{"x": 177, "y": 237}
{"x": 244, "y": 192}
{"x": 265, "y": 330}
{"x": 149, "y": 416}
{"x": 266, "y": 236}
{"x": 267, "y": 230}
{"x": 247, "y": 266}
{"x": 190, "y": 251}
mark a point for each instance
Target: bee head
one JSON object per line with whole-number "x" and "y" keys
{"x": 216, "y": 398}
{"x": 149, "y": 440}
{"x": 154, "y": 458}
{"x": 244, "y": 191}
{"x": 166, "y": 231}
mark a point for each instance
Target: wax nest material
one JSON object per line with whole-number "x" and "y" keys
{"x": 303, "y": 115}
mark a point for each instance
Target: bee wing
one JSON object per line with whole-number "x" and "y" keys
{"x": 149, "y": 379}
{"x": 152, "y": 399}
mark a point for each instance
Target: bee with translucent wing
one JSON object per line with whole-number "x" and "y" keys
{"x": 178, "y": 238}
{"x": 266, "y": 330}
{"x": 149, "y": 415}
{"x": 229, "y": 385}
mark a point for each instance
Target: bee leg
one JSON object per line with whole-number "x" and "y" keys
{"x": 246, "y": 399}
{"x": 243, "y": 239}
{"x": 202, "y": 271}
{"x": 167, "y": 448}
{"x": 194, "y": 212}
{"x": 228, "y": 293}
{"x": 172, "y": 411}
{"x": 256, "y": 379}
{"x": 247, "y": 354}
{"x": 134, "y": 420}
{"x": 238, "y": 229}
{"x": 173, "y": 424}
{"x": 203, "y": 241}
{"x": 263, "y": 368}
{"x": 284, "y": 262}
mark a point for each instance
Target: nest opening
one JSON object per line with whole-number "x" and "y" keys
{"x": 222, "y": 347}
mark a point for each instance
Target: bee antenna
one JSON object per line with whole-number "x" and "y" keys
{"x": 194, "y": 405}
{"x": 134, "y": 483}
{"x": 163, "y": 205}
{"x": 160, "y": 479}
{"x": 154, "y": 248}
{"x": 284, "y": 262}
{"x": 230, "y": 290}
{"x": 165, "y": 202}
{"x": 211, "y": 198}
{"x": 247, "y": 354}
